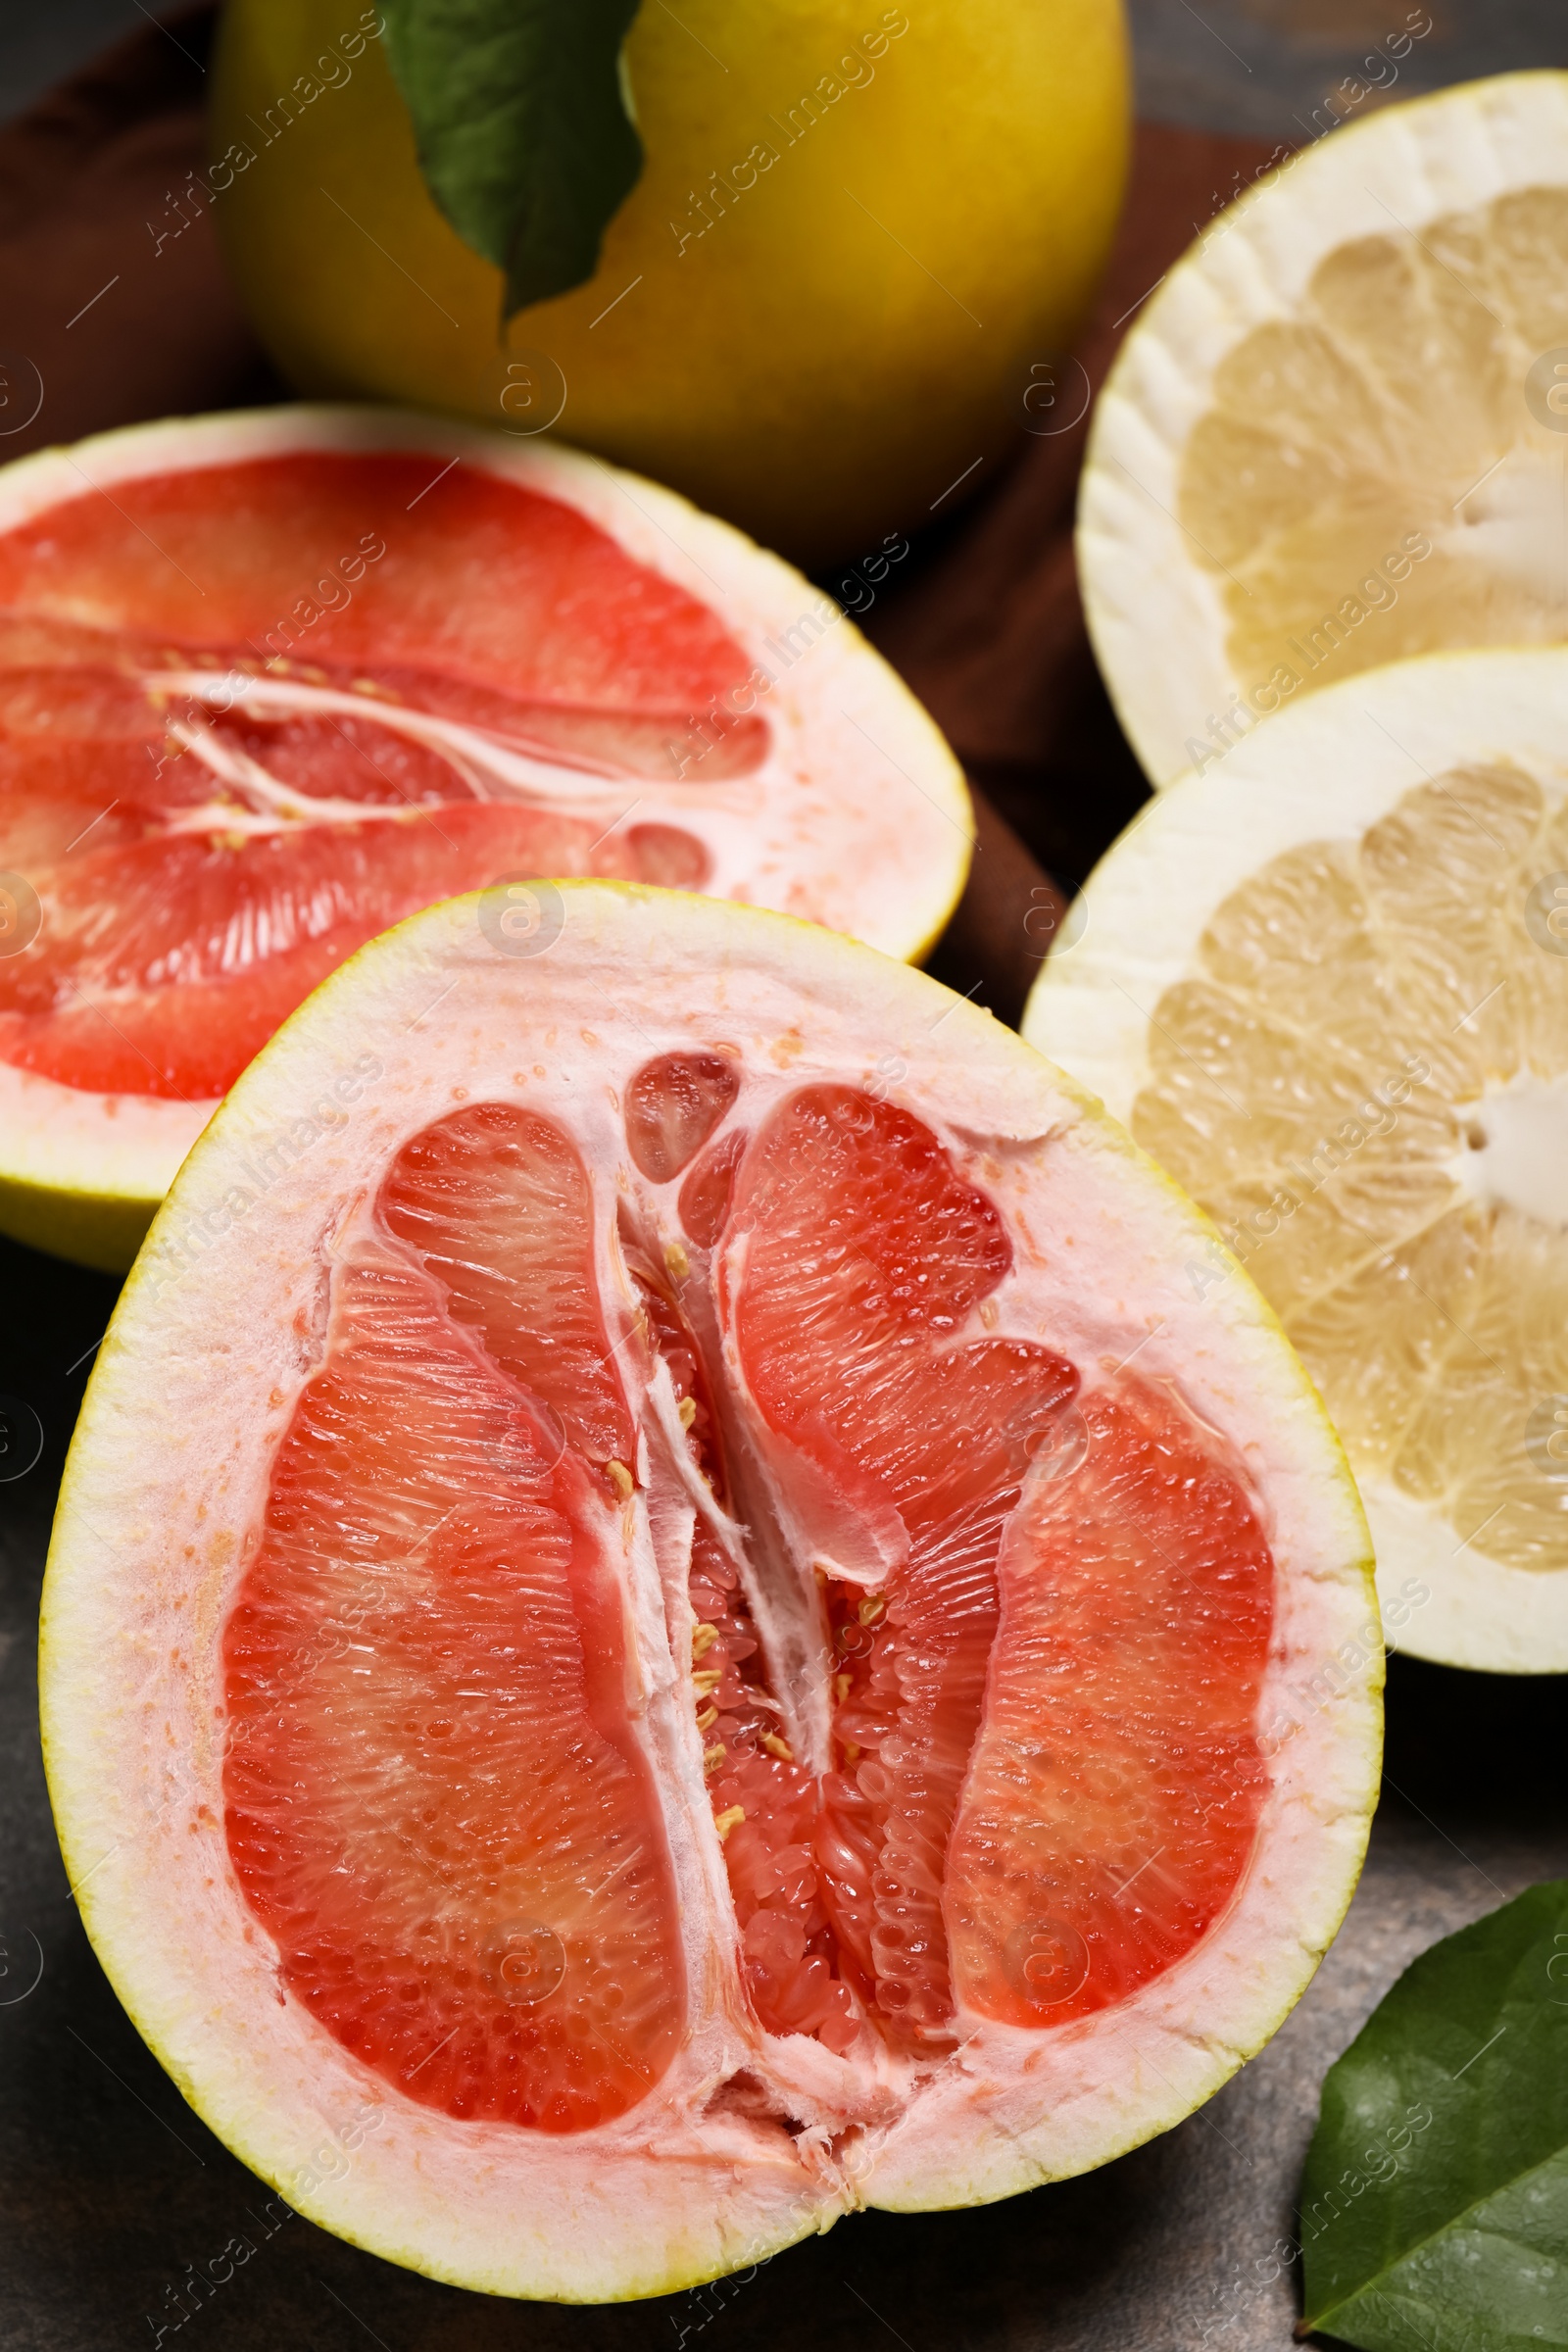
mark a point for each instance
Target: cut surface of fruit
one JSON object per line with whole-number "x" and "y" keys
{"x": 1339, "y": 434}
{"x": 268, "y": 683}
{"x": 426, "y": 1751}
{"x": 1327, "y": 987}
{"x": 723, "y": 1642}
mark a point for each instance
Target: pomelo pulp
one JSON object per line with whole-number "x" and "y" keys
{"x": 1326, "y": 984}
{"x": 681, "y": 1622}
{"x": 270, "y": 683}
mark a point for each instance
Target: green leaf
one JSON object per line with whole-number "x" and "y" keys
{"x": 524, "y": 125}
{"x": 1435, "y": 2200}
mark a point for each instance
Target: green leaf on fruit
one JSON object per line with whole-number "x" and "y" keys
{"x": 523, "y": 124}
{"x": 1435, "y": 2200}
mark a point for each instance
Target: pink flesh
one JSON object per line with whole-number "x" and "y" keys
{"x": 673, "y": 1107}
{"x": 1114, "y": 1790}
{"x": 1046, "y": 1782}
{"x": 434, "y": 1802}
{"x": 167, "y": 958}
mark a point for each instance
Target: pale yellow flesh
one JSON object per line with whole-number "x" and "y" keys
{"x": 1326, "y": 984}
{"x": 1370, "y": 479}
{"x": 1335, "y": 435}
{"x": 1408, "y": 1229}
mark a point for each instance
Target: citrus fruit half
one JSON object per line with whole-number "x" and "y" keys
{"x": 1327, "y": 986}
{"x": 844, "y": 271}
{"x": 1339, "y": 433}
{"x": 270, "y": 683}
{"x": 697, "y": 1629}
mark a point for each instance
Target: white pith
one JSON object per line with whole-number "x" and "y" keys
{"x": 859, "y": 817}
{"x": 66, "y": 1139}
{"x": 1517, "y": 1153}
{"x": 1155, "y": 609}
{"x": 1328, "y": 770}
{"x": 1513, "y": 523}
{"x": 153, "y": 1527}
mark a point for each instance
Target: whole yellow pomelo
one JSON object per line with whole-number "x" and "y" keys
{"x": 857, "y": 231}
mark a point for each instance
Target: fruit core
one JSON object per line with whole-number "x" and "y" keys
{"x": 1517, "y": 1149}
{"x": 725, "y": 1518}
{"x": 253, "y": 713}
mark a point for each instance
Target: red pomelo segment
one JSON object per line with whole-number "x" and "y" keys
{"x": 434, "y": 1802}
{"x": 790, "y": 1957}
{"x": 767, "y": 1803}
{"x": 1047, "y": 1778}
{"x": 678, "y": 1346}
{"x": 863, "y": 1255}
{"x": 402, "y": 562}
{"x": 705, "y": 1195}
{"x": 664, "y": 855}
{"x": 342, "y": 757}
{"x": 673, "y": 1106}
{"x": 1115, "y": 1791}
{"x": 497, "y": 1202}
{"x": 166, "y": 963}
{"x": 167, "y": 957}
{"x": 87, "y": 762}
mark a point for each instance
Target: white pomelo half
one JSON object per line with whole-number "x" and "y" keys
{"x": 603, "y": 681}
{"x": 240, "y": 1317}
{"x": 1327, "y": 983}
{"x": 1337, "y": 436}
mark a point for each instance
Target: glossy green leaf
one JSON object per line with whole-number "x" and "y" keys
{"x": 524, "y": 125}
{"x": 1435, "y": 2201}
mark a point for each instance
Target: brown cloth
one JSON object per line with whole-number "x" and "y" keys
{"x": 114, "y": 307}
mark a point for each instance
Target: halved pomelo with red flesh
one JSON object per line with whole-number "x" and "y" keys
{"x": 270, "y": 682}
{"x": 688, "y": 1633}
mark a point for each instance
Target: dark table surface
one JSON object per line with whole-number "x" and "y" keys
{"x": 109, "y": 2184}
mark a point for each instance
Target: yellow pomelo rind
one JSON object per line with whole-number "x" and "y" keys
{"x": 1326, "y": 771}
{"x": 81, "y": 1174}
{"x": 130, "y": 1624}
{"x": 1161, "y": 596}
{"x": 100, "y": 1229}
{"x": 821, "y": 360}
